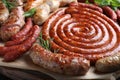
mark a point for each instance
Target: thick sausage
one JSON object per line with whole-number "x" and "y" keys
{"x": 110, "y": 12}
{"x": 13, "y": 52}
{"x": 4, "y": 13}
{"x": 108, "y": 64}
{"x": 59, "y": 63}
{"x": 13, "y": 24}
{"x": 24, "y": 31}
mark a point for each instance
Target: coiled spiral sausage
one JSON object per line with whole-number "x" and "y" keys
{"x": 82, "y": 31}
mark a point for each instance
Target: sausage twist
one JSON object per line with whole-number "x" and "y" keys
{"x": 82, "y": 31}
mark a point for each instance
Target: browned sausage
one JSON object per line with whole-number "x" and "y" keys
{"x": 110, "y": 12}
{"x": 13, "y": 52}
{"x": 13, "y": 24}
{"x": 24, "y": 31}
{"x": 91, "y": 1}
{"x": 118, "y": 13}
{"x": 90, "y": 6}
{"x": 86, "y": 33}
{"x": 59, "y": 63}
{"x": 108, "y": 64}
{"x": 16, "y": 41}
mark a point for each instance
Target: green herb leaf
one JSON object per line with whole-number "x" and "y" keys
{"x": 46, "y": 43}
{"x": 9, "y": 4}
{"x": 30, "y": 13}
{"x": 113, "y": 3}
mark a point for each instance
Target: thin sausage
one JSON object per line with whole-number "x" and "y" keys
{"x": 13, "y": 52}
{"x": 60, "y": 63}
{"x": 118, "y": 15}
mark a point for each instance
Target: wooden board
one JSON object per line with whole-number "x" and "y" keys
{"x": 26, "y": 63}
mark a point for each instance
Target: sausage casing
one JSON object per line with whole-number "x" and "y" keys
{"x": 108, "y": 64}
{"x": 59, "y": 63}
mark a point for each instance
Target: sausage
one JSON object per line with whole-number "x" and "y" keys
{"x": 108, "y": 64}
{"x": 90, "y": 6}
{"x": 118, "y": 13}
{"x": 4, "y": 13}
{"x": 69, "y": 65}
{"x": 86, "y": 33}
{"x": 13, "y": 52}
{"x": 110, "y": 13}
{"x": 16, "y": 41}
{"x": 13, "y": 24}
{"x": 24, "y": 31}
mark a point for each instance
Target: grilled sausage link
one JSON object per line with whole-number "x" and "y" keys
{"x": 14, "y": 52}
{"x": 59, "y": 63}
{"x": 13, "y": 24}
{"x": 118, "y": 15}
{"x": 4, "y": 13}
{"x": 110, "y": 12}
{"x": 108, "y": 64}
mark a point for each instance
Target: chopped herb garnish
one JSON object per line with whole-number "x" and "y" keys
{"x": 30, "y": 13}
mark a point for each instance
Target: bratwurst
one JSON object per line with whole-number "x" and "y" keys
{"x": 60, "y": 63}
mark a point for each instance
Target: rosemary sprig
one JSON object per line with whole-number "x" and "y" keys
{"x": 46, "y": 44}
{"x": 30, "y": 13}
{"x": 9, "y": 4}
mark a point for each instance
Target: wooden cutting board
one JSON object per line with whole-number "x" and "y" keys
{"x": 26, "y": 63}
